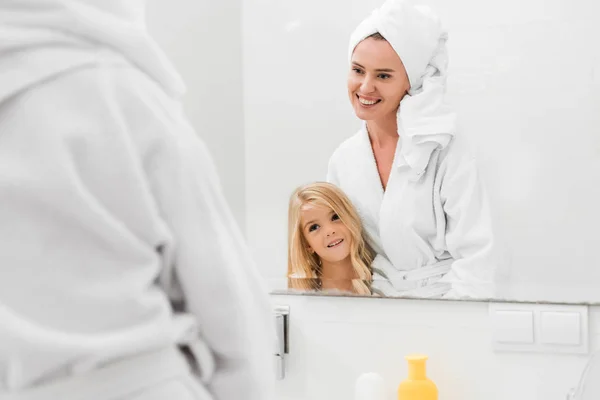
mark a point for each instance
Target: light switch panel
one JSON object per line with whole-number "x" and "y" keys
{"x": 560, "y": 328}
{"x": 548, "y": 328}
{"x": 513, "y": 326}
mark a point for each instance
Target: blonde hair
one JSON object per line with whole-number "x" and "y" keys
{"x": 304, "y": 266}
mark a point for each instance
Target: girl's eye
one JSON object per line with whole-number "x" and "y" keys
{"x": 357, "y": 70}
{"x": 313, "y": 227}
{"x": 335, "y": 217}
{"x": 385, "y": 76}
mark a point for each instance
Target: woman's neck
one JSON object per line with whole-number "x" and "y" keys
{"x": 383, "y": 132}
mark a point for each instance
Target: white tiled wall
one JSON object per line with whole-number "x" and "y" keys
{"x": 334, "y": 340}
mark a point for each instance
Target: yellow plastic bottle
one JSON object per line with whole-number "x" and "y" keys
{"x": 417, "y": 386}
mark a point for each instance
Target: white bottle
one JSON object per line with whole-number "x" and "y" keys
{"x": 369, "y": 386}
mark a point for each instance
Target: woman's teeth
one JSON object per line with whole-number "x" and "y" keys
{"x": 367, "y": 102}
{"x": 335, "y": 243}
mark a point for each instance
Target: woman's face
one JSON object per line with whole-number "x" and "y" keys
{"x": 325, "y": 233}
{"x": 377, "y": 80}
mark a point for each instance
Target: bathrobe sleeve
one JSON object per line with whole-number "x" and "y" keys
{"x": 469, "y": 233}
{"x": 220, "y": 284}
{"x": 332, "y": 173}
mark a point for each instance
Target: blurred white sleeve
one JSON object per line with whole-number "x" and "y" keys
{"x": 220, "y": 283}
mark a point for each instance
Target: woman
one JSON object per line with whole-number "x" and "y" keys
{"x": 415, "y": 187}
{"x": 117, "y": 246}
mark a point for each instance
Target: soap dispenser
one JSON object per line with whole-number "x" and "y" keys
{"x": 417, "y": 386}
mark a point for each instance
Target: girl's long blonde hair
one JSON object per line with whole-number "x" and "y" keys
{"x": 304, "y": 267}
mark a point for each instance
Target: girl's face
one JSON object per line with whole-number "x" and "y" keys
{"x": 377, "y": 81}
{"x": 325, "y": 233}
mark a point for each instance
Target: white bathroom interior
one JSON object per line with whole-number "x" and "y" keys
{"x": 266, "y": 91}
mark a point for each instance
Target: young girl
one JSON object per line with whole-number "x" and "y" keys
{"x": 327, "y": 246}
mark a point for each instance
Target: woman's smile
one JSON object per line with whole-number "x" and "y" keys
{"x": 368, "y": 102}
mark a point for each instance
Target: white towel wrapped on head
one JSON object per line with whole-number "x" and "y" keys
{"x": 416, "y": 34}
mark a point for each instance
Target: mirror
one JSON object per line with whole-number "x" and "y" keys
{"x": 525, "y": 84}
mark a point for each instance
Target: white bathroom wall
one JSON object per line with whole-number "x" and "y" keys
{"x": 525, "y": 80}
{"x": 334, "y": 340}
{"x": 203, "y": 40}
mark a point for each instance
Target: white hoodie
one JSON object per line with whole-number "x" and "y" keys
{"x": 111, "y": 212}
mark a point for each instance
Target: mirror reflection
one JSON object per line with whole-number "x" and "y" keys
{"x": 406, "y": 175}
{"x": 424, "y": 226}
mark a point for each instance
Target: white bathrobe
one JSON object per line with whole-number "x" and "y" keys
{"x": 111, "y": 211}
{"x": 433, "y": 219}
{"x": 438, "y": 218}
